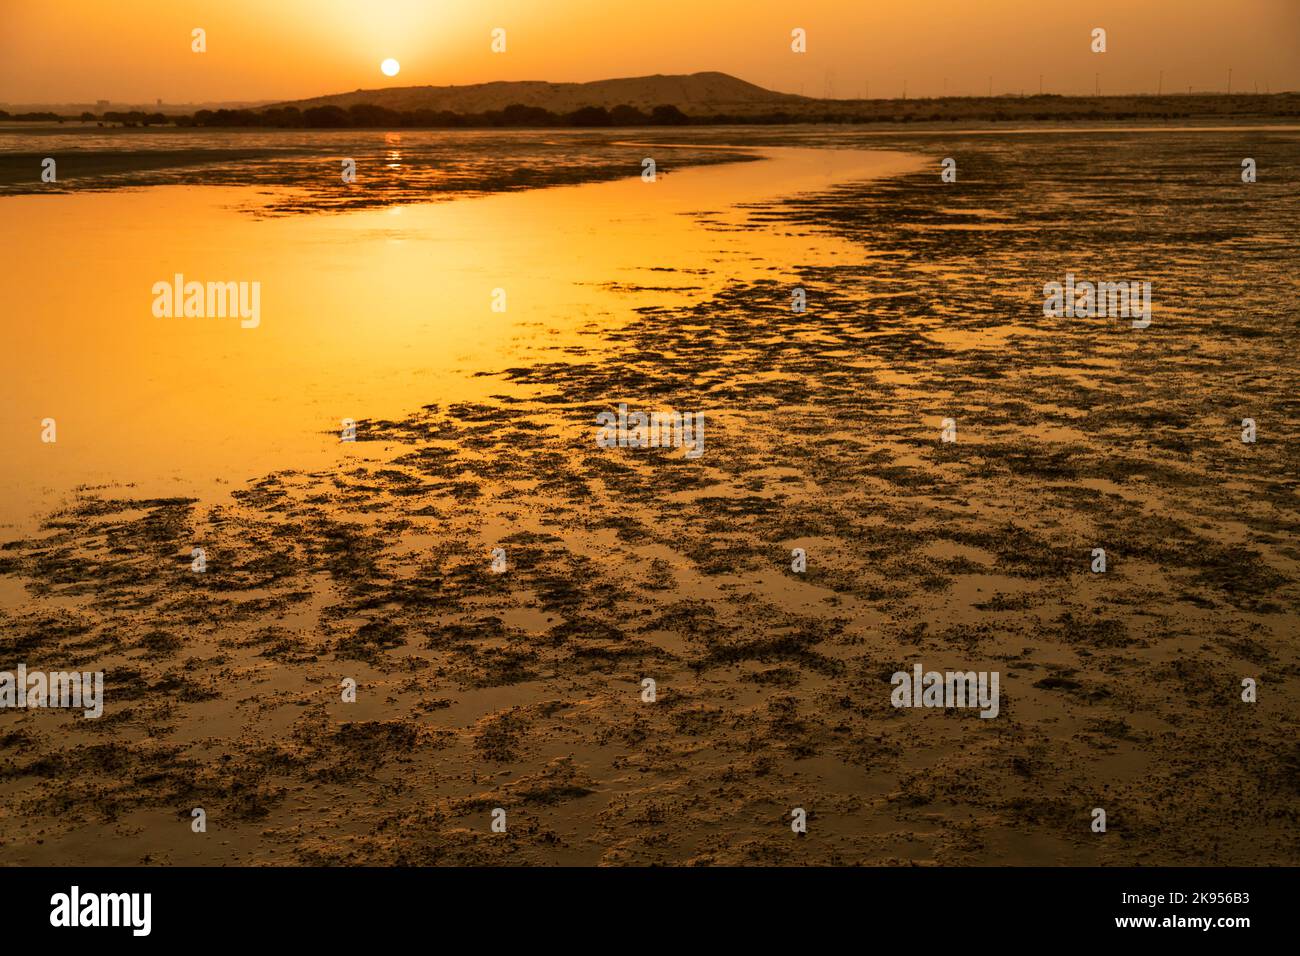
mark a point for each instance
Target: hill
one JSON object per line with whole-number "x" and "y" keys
{"x": 718, "y": 95}
{"x": 694, "y": 94}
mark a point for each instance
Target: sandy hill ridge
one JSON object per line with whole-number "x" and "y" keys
{"x": 693, "y": 93}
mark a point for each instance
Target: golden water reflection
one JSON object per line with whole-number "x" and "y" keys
{"x": 366, "y": 314}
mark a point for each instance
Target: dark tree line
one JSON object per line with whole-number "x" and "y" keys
{"x": 131, "y": 118}
{"x": 369, "y": 116}
{"x": 30, "y": 117}
{"x": 1036, "y": 108}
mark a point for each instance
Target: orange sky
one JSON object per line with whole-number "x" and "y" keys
{"x": 139, "y": 50}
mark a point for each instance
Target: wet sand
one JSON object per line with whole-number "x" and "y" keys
{"x": 522, "y": 690}
{"x": 369, "y": 313}
{"x": 293, "y": 172}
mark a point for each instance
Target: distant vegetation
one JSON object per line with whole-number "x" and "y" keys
{"x": 132, "y": 118}
{"x": 367, "y": 116}
{"x": 992, "y": 109}
{"x": 1042, "y": 108}
{"x": 31, "y": 117}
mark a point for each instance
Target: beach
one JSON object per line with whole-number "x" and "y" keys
{"x": 499, "y": 586}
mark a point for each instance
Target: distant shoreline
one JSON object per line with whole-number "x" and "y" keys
{"x": 1044, "y": 108}
{"x": 1205, "y": 124}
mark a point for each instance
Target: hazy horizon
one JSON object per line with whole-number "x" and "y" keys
{"x": 305, "y": 49}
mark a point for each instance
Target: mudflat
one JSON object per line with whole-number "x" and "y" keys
{"x": 521, "y": 687}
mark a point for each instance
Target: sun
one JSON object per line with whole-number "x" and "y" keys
{"x": 390, "y": 67}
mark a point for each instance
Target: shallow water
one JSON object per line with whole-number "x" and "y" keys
{"x": 297, "y": 171}
{"x": 370, "y": 314}
{"x": 522, "y": 689}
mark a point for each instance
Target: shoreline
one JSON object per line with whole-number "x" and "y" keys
{"x": 610, "y": 280}
{"x": 523, "y": 689}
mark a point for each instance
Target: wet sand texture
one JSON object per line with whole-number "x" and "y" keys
{"x": 522, "y": 690}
